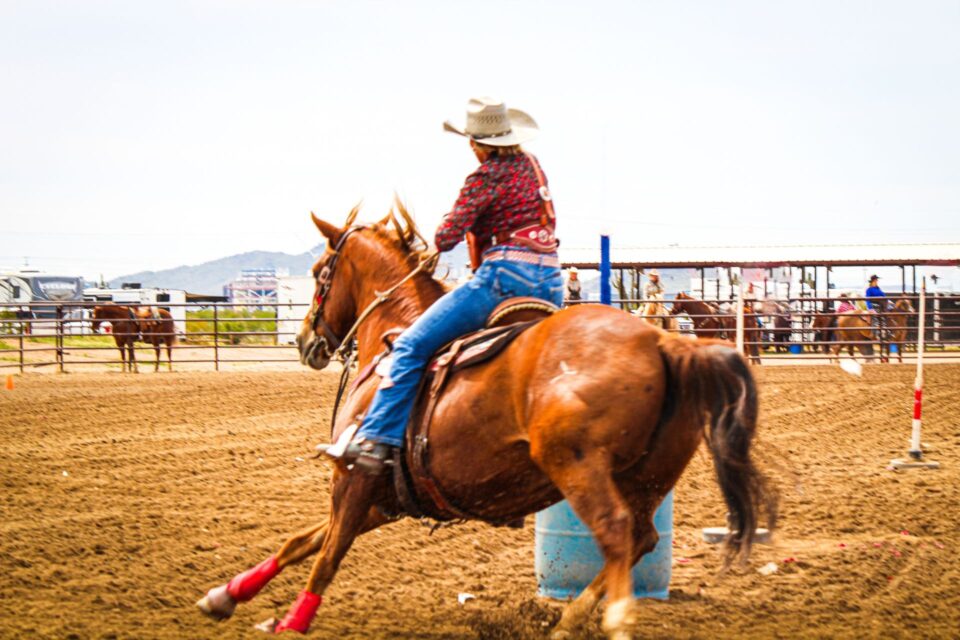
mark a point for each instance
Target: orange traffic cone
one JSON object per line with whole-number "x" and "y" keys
{"x": 9, "y": 382}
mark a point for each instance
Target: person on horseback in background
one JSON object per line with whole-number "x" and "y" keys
{"x": 845, "y": 305}
{"x": 653, "y": 290}
{"x": 876, "y": 300}
{"x": 506, "y": 207}
{"x": 874, "y": 291}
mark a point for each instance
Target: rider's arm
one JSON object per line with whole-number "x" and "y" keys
{"x": 475, "y": 197}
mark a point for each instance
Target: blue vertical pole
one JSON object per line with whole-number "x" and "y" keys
{"x": 605, "y": 295}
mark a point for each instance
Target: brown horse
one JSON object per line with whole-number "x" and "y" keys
{"x": 781, "y": 321}
{"x": 591, "y": 404}
{"x": 125, "y": 328}
{"x": 823, "y": 326}
{"x": 896, "y": 326}
{"x": 707, "y": 320}
{"x": 130, "y": 325}
{"x": 710, "y": 322}
{"x": 854, "y": 329}
{"x": 158, "y": 329}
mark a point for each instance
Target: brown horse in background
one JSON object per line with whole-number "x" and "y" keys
{"x": 897, "y": 326}
{"x": 158, "y": 329}
{"x": 125, "y": 329}
{"x": 823, "y": 326}
{"x": 591, "y": 405}
{"x": 854, "y": 329}
{"x": 709, "y": 322}
{"x": 130, "y": 325}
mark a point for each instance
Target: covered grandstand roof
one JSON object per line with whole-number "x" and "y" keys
{"x": 852, "y": 255}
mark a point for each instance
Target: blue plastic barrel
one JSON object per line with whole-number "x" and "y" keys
{"x": 567, "y": 558}
{"x": 894, "y": 349}
{"x": 796, "y": 348}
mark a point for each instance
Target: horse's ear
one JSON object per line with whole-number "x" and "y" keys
{"x": 352, "y": 215}
{"x": 329, "y": 231}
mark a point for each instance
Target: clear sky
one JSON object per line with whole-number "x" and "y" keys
{"x": 138, "y": 135}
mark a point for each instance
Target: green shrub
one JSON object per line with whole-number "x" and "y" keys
{"x": 230, "y": 324}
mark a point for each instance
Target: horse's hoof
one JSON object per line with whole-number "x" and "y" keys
{"x": 267, "y": 626}
{"x": 218, "y": 603}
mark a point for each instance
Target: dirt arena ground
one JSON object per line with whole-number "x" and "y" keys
{"x": 126, "y": 497}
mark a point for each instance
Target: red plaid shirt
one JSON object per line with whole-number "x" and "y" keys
{"x": 501, "y": 195}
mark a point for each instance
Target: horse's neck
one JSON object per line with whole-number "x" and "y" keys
{"x": 400, "y": 311}
{"x": 701, "y": 308}
{"x": 118, "y": 313}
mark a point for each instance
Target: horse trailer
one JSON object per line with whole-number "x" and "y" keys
{"x": 27, "y": 286}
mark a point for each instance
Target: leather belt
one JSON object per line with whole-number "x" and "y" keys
{"x": 535, "y": 237}
{"x": 513, "y": 255}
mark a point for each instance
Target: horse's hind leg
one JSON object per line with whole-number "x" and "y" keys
{"x": 169, "y": 356}
{"x": 156, "y": 352}
{"x": 586, "y": 481}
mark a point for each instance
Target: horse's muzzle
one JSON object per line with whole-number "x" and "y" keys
{"x": 312, "y": 351}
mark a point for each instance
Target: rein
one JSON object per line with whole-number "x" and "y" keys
{"x": 344, "y": 349}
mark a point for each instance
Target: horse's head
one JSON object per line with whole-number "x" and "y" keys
{"x": 679, "y": 305}
{"x": 96, "y": 317}
{"x": 904, "y": 305}
{"x": 360, "y": 261}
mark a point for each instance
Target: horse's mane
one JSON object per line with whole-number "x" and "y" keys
{"x": 398, "y": 237}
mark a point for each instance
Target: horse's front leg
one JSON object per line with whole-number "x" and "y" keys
{"x": 169, "y": 356}
{"x": 131, "y": 346}
{"x": 221, "y": 601}
{"x": 156, "y": 352}
{"x": 352, "y": 501}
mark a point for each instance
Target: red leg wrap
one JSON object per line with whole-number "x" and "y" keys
{"x": 248, "y": 584}
{"x": 301, "y": 613}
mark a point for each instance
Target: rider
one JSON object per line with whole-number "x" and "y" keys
{"x": 505, "y": 204}
{"x": 845, "y": 305}
{"x": 874, "y": 291}
{"x": 876, "y": 301}
{"x": 653, "y": 290}
{"x": 574, "y": 287}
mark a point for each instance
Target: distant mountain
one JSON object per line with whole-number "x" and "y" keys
{"x": 209, "y": 277}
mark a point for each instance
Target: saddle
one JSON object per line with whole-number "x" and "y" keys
{"x": 417, "y": 492}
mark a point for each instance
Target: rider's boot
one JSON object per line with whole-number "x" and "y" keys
{"x": 369, "y": 456}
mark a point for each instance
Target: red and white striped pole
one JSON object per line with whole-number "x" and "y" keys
{"x": 915, "y": 452}
{"x": 916, "y": 460}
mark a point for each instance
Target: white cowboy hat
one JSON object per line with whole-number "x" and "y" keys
{"x": 653, "y": 272}
{"x": 490, "y": 122}
{"x": 572, "y": 270}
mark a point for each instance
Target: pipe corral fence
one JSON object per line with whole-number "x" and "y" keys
{"x": 787, "y": 330}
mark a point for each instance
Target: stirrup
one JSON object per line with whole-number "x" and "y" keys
{"x": 374, "y": 457}
{"x": 337, "y": 450}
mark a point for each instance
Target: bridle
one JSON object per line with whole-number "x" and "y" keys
{"x": 342, "y": 348}
{"x": 329, "y": 341}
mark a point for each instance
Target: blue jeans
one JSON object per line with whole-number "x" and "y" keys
{"x": 461, "y": 311}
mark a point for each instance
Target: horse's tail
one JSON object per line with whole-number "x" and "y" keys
{"x": 712, "y": 381}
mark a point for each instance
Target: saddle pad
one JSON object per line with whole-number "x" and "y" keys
{"x": 479, "y": 347}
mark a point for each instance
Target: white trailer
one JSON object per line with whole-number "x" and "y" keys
{"x": 294, "y": 294}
